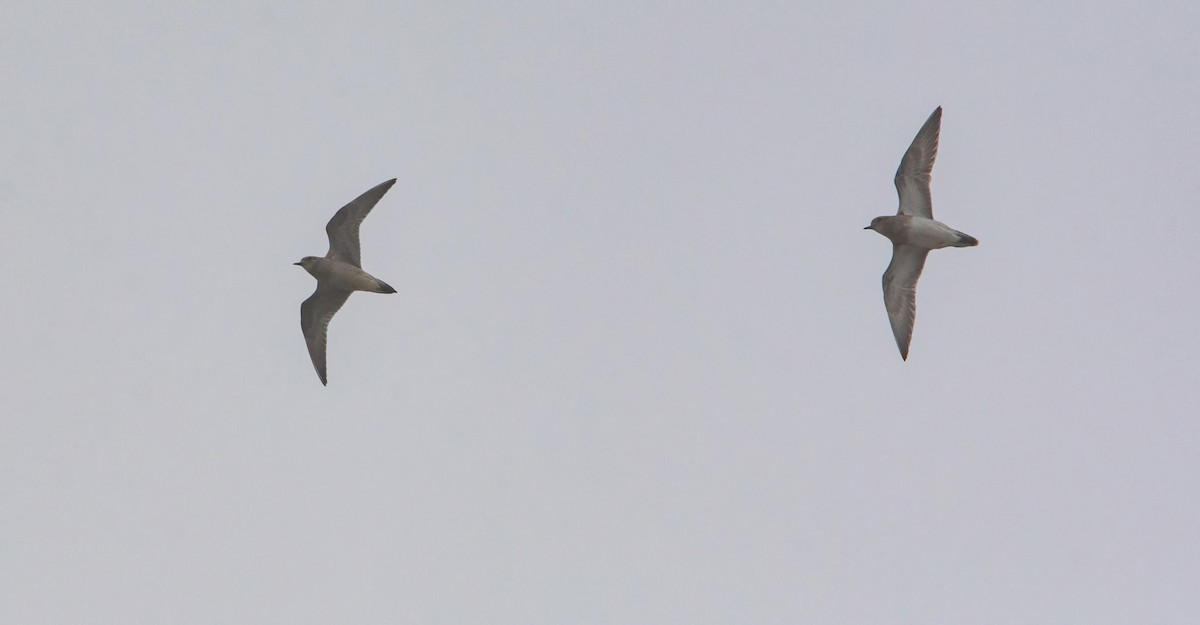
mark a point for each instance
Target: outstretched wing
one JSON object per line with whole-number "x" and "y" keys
{"x": 315, "y": 313}
{"x": 900, "y": 292}
{"x": 912, "y": 178}
{"x": 343, "y": 228}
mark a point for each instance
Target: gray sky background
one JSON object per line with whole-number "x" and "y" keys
{"x": 638, "y": 369}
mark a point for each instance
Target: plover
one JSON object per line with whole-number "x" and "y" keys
{"x": 913, "y": 232}
{"x": 339, "y": 273}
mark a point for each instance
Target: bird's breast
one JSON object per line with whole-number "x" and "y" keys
{"x": 929, "y": 234}
{"x": 343, "y": 276}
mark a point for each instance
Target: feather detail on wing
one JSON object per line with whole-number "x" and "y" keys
{"x": 343, "y": 228}
{"x": 914, "y": 174}
{"x": 900, "y": 292}
{"x": 315, "y": 313}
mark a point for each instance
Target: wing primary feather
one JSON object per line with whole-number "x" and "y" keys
{"x": 342, "y": 229}
{"x": 315, "y": 314}
{"x": 915, "y": 171}
{"x": 900, "y": 292}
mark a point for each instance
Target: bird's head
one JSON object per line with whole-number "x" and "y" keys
{"x": 875, "y": 224}
{"x": 307, "y": 262}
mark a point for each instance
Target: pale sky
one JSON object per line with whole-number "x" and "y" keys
{"x": 638, "y": 370}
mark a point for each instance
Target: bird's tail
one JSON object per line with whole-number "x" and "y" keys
{"x": 965, "y": 240}
{"x": 384, "y": 287}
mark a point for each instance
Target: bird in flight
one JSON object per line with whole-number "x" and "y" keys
{"x": 339, "y": 273}
{"x": 913, "y": 232}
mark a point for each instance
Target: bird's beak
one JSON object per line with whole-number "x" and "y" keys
{"x": 295, "y": 263}
{"x": 867, "y": 228}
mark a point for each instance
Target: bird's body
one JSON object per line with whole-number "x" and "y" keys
{"x": 339, "y": 273}
{"x": 928, "y": 234}
{"x": 913, "y": 232}
{"x": 343, "y": 276}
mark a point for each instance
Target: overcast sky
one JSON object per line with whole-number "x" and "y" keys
{"x": 638, "y": 370}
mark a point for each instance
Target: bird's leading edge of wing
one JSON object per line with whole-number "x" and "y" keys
{"x": 343, "y": 228}
{"x": 900, "y": 292}
{"x": 912, "y": 178}
{"x": 315, "y": 313}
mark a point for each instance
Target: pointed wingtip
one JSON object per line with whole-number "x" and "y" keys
{"x": 386, "y": 185}
{"x": 935, "y": 116}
